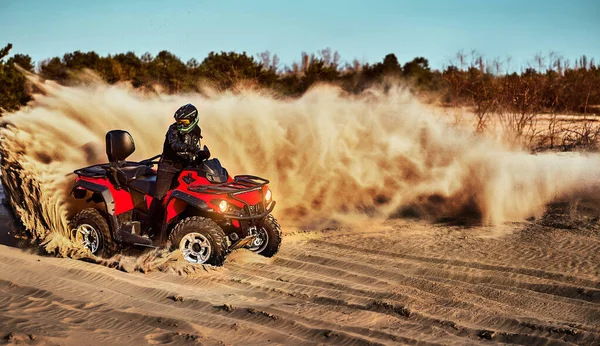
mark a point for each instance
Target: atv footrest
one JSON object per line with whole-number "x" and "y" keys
{"x": 132, "y": 227}
{"x": 128, "y": 235}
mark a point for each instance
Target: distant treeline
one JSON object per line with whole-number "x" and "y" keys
{"x": 551, "y": 85}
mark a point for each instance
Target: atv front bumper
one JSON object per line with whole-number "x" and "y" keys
{"x": 268, "y": 210}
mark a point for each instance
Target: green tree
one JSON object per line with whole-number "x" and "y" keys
{"x": 390, "y": 65}
{"x": 54, "y": 69}
{"x": 13, "y": 88}
{"x": 130, "y": 63}
{"x": 79, "y": 60}
{"x": 226, "y": 69}
{"x": 418, "y": 71}
{"x": 168, "y": 70}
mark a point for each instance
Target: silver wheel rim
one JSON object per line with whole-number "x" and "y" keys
{"x": 195, "y": 248}
{"x": 261, "y": 241}
{"x": 88, "y": 236}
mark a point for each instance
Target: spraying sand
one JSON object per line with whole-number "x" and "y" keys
{"x": 327, "y": 155}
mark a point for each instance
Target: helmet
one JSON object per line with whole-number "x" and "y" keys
{"x": 186, "y": 117}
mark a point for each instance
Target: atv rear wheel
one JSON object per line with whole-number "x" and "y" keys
{"x": 268, "y": 238}
{"x": 200, "y": 240}
{"x": 91, "y": 230}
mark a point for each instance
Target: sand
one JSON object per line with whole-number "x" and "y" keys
{"x": 398, "y": 282}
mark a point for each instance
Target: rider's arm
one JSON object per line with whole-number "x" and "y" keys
{"x": 174, "y": 141}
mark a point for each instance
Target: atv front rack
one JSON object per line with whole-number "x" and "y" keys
{"x": 240, "y": 184}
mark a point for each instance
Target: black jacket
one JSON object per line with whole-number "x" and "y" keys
{"x": 180, "y": 147}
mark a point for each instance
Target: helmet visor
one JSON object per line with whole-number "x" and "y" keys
{"x": 186, "y": 125}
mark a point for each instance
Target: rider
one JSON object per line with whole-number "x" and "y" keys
{"x": 181, "y": 146}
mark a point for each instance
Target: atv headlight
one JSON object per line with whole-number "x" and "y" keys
{"x": 268, "y": 195}
{"x": 223, "y": 206}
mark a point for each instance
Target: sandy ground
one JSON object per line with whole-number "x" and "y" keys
{"x": 402, "y": 282}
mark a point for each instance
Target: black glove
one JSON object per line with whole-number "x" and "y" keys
{"x": 195, "y": 149}
{"x": 204, "y": 154}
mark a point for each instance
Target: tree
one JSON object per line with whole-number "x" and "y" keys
{"x": 13, "y": 88}
{"x": 269, "y": 62}
{"x": 552, "y": 84}
{"x": 418, "y": 71}
{"x": 483, "y": 94}
{"x": 78, "y": 60}
{"x": 130, "y": 64}
{"x": 226, "y": 69}
{"x": 168, "y": 70}
{"x": 391, "y": 66}
{"x": 54, "y": 69}
{"x": 456, "y": 83}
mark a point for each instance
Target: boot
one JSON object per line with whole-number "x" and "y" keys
{"x": 152, "y": 223}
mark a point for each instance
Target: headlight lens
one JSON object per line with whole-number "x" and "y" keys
{"x": 268, "y": 195}
{"x": 223, "y": 206}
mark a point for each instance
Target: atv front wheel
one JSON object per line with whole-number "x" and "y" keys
{"x": 268, "y": 238}
{"x": 200, "y": 240}
{"x": 92, "y": 231}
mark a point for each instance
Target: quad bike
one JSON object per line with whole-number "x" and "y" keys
{"x": 207, "y": 214}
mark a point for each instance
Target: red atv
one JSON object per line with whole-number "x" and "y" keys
{"x": 207, "y": 215}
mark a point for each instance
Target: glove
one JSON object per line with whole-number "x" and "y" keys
{"x": 195, "y": 149}
{"x": 203, "y": 154}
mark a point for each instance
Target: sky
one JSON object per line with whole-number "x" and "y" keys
{"x": 362, "y": 30}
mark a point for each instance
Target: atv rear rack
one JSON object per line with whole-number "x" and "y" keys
{"x": 240, "y": 184}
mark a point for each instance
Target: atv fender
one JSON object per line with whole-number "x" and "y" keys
{"x": 102, "y": 190}
{"x": 109, "y": 201}
{"x": 173, "y": 208}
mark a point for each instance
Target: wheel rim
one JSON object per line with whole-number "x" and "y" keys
{"x": 88, "y": 236}
{"x": 195, "y": 248}
{"x": 261, "y": 241}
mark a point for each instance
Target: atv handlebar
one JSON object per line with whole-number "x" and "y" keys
{"x": 200, "y": 155}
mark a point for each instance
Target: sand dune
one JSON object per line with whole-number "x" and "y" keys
{"x": 404, "y": 282}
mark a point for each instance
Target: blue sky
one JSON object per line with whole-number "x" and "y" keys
{"x": 365, "y": 30}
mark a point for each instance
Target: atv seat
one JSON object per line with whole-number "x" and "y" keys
{"x": 128, "y": 174}
{"x": 119, "y": 145}
{"x": 96, "y": 171}
{"x": 145, "y": 185}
